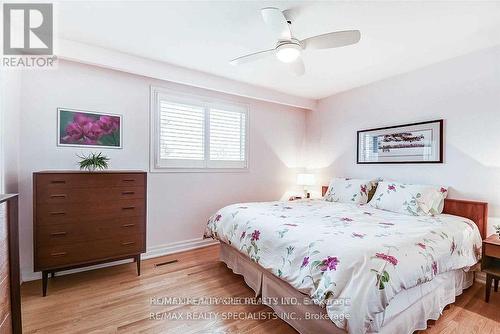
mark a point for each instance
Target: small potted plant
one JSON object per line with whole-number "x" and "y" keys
{"x": 93, "y": 162}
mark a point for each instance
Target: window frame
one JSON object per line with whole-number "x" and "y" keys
{"x": 158, "y": 165}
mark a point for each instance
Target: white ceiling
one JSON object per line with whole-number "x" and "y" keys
{"x": 396, "y": 37}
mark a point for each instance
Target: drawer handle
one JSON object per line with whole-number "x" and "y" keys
{"x": 58, "y": 196}
{"x": 58, "y": 181}
{"x": 128, "y": 208}
{"x": 58, "y": 234}
{"x": 128, "y": 243}
{"x": 128, "y": 225}
{"x": 128, "y": 192}
{"x": 58, "y": 254}
{"x": 57, "y": 213}
{"x": 128, "y": 180}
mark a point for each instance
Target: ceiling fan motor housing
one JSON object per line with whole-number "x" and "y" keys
{"x": 288, "y": 51}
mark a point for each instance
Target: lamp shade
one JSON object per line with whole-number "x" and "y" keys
{"x": 306, "y": 179}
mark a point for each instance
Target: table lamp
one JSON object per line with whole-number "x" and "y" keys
{"x": 306, "y": 180}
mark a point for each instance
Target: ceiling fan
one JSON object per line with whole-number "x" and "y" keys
{"x": 288, "y": 49}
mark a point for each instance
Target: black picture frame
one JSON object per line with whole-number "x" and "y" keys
{"x": 440, "y": 122}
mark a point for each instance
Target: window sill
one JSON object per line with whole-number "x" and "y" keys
{"x": 197, "y": 170}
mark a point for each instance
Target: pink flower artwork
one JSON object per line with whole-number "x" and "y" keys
{"x": 84, "y": 129}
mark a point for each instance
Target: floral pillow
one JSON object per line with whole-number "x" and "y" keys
{"x": 347, "y": 190}
{"x": 409, "y": 199}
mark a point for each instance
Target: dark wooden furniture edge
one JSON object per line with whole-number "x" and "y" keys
{"x": 109, "y": 259}
{"x": 11, "y": 201}
{"x": 490, "y": 264}
{"x": 116, "y": 171}
{"x": 473, "y": 210}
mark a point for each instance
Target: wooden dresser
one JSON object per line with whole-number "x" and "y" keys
{"x": 87, "y": 218}
{"x": 10, "y": 283}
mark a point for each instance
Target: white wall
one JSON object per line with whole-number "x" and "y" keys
{"x": 179, "y": 203}
{"x": 464, "y": 91}
{"x": 10, "y": 91}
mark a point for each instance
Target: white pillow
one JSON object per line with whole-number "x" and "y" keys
{"x": 409, "y": 199}
{"x": 347, "y": 190}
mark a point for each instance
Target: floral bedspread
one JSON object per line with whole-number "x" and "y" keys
{"x": 351, "y": 259}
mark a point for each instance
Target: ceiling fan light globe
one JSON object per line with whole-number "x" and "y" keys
{"x": 288, "y": 53}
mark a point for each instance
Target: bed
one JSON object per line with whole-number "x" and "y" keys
{"x": 335, "y": 267}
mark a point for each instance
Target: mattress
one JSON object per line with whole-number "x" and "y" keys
{"x": 351, "y": 260}
{"x": 407, "y": 312}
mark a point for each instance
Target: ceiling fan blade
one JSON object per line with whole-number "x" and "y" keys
{"x": 297, "y": 67}
{"x": 332, "y": 40}
{"x": 251, "y": 57}
{"x": 277, "y": 22}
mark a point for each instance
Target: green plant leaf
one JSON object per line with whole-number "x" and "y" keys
{"x": 315, "y": 263}
{"x": 385, "y": 277}
{"x": 93, "y": 162}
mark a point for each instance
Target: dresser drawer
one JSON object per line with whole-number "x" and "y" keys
{"x": 71, "y": 232}
{"x": 492, "y": 250}
{"x": 70, "y": 213}
{"x": 54, "y": 256}
{"x": 60, "y": 195}
{"x": 89, "y": 180}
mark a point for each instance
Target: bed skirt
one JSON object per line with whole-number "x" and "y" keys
{"x": 407, "y": 312}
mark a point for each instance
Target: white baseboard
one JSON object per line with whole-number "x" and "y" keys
{"x": 152, "y": 252}
{"x": 176, "y": 247}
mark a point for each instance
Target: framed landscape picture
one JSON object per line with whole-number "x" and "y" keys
{"x": 88, "y": 129}
{"x": 408, "y": 143}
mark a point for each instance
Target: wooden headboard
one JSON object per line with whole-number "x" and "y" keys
{"x": 475, "y": 211}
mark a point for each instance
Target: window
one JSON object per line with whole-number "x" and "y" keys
{"x": 197, "y": 133}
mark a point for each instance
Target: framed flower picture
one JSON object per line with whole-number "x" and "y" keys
{"x": 409, "y": 143}
{"x": 88, "y": 129}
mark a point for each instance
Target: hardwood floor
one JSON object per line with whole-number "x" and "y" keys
{"x": 114, "y": 300}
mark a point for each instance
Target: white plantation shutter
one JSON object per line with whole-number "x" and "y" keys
{"x": 194, "y": 134}
{"x": 227, "y": 138}
{"x": 181, "y": 134}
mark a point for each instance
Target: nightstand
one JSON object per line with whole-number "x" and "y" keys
{"x": 490, "y": 263}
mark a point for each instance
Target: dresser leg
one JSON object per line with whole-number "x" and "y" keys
{"x": 489, "y": 278}
{"x": 138, "y": 261}
{"x": 496, "y": 284}
{"x": 45, "y": 275}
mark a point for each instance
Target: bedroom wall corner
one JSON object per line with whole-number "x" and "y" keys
{"x": 463, "y": 91}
